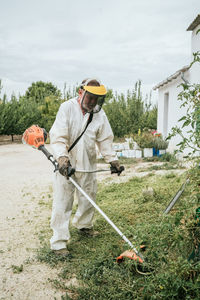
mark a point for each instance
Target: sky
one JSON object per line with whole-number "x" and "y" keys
{"x": 116, "y": 41}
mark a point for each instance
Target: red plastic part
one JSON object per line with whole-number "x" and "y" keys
{"x": 129, "y": 254}
{"x": 34, "y": 136}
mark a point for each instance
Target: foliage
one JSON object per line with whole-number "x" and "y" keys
{"x": 28, "y": 114}
{"x": 159, "y": 143}
{"x": 39, "y": 105}
{"x": 9, "y": 117}
{"x": 39, "y": 90}
{"x": 169, "y": 241}
{"x": 48, "y": 110}
{"x": 189, "y": 128}
{"x": 149, "y": 118}
{"x": 169, "y": 157}
{"x": 128, "y": 113}
{"x": 166, "y": 157}
{"x": 17, "y": 269}
{"x": 144, "y": 139}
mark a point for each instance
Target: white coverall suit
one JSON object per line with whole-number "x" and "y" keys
{"x": 69, "y": 124}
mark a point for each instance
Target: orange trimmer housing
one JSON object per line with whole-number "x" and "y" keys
{"x": 131, "y": 255}
{"x": 34, "y": 136}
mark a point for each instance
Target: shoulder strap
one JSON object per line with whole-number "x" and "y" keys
{"x": 78, "y": 138}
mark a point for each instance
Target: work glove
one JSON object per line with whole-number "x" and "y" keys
{"x": 115, "y": 167}
{"x": 64, "y": 166}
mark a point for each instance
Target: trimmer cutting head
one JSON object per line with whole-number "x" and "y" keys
{"x": 34, "y": 136}
{"x": 130, "y": 254}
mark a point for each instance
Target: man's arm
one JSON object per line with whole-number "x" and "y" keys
{"x": 59, "y": 133}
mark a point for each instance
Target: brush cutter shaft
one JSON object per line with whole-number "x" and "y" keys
{"x": 112, "y": 170}
{"x": 49, "y": 156}
{"x": 92, "y": 171}
{"x": 45, "y": 151}
{"x": 105, "y": 216}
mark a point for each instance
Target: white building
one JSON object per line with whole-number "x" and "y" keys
{"x": 169, "y": 111}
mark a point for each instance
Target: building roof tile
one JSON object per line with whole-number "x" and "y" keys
{"x": 171, "y": 77}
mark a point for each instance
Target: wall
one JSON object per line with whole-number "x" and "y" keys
{"x": 174, "y": 110}
{"x": 195, "y": 46}
{"x": 172, "y": 90}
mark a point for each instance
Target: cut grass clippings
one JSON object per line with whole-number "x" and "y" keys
{"x": 169, "y": 241}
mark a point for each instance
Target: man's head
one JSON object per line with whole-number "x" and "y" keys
{"x": 91, "y": 95}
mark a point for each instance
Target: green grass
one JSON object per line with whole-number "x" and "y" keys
{"x": 169, "y": 241}
{"x": 17, "y": 269}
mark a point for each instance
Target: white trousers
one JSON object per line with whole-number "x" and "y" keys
{"x": 62, "y": 206}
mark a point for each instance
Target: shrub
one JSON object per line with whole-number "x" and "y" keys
{"x": 144, "y": 139}
{"x": 160, "y": 143}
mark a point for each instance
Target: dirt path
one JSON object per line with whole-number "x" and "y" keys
{"x": 25, "y": 176}
{"x": 24, "y": 172}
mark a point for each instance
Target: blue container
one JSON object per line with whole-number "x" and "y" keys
{"x": 155, "y": 152}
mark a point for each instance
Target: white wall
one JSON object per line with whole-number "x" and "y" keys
{"x": 195, "y": 46}
{"x": 170, "y": 91}
{"x": 195, "y": 43}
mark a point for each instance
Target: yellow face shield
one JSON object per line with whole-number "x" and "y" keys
{"x": 92, "y": 103}
{"x": 93, "y": 98}
{"x": 96, "y": 90}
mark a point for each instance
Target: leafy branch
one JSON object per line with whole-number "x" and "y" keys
{"x": 189, "y": 129}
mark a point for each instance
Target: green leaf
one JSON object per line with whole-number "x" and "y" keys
{"x": 186, "y": 123}
{"x": 181, "y": 119}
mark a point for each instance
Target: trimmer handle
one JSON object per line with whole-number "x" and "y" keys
{"x": 49, "y": 156}
{"x": 114, "y": 170}
{"x": 70, "y": 170}
{"x": 45, "y": 151}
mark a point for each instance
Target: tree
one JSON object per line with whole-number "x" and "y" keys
{"x": 9, "y": 117}
{"x": 48, "y": 110}
{"x": 129, "y": 113}
{"x": 28, "y": 114}
{"x": 39, "y": 90}
{"x": 149, "y": 118}
{"x": 190, "y": 122}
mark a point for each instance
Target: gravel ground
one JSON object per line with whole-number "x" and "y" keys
{"x": 25, "y": 175}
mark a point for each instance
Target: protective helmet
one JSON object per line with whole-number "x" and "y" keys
{"x": 94, "y": 95}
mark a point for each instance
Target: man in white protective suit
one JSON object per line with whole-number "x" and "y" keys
{"x": 71, "y": 120}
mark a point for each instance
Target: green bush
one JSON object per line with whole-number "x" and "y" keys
{"x": 144, "y": 139}
{"x": 160, "y": 144}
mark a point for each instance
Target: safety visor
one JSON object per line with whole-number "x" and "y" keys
{"x": 92, "y": 103}
{"x": 96, "y": 90}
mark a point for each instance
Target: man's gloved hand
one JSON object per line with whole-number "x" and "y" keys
{"x": 65, "y": 167}
{"x": 115, "y": 164}
{"x": 115, "y": 167}
{"x": 64, "y": 163}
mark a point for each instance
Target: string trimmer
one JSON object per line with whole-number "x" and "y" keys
{"x": 35, "y": 137}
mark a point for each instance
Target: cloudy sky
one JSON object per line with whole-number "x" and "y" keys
{"x": 117, "y": 41}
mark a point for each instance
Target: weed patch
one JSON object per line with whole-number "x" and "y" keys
{"x": 169, "y": 241}
{"x": 17, "y": 269}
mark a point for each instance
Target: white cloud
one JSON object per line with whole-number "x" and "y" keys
{"x": 118, "y": 41}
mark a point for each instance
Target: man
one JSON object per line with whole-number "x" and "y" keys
{"x": 71, "y": 120}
